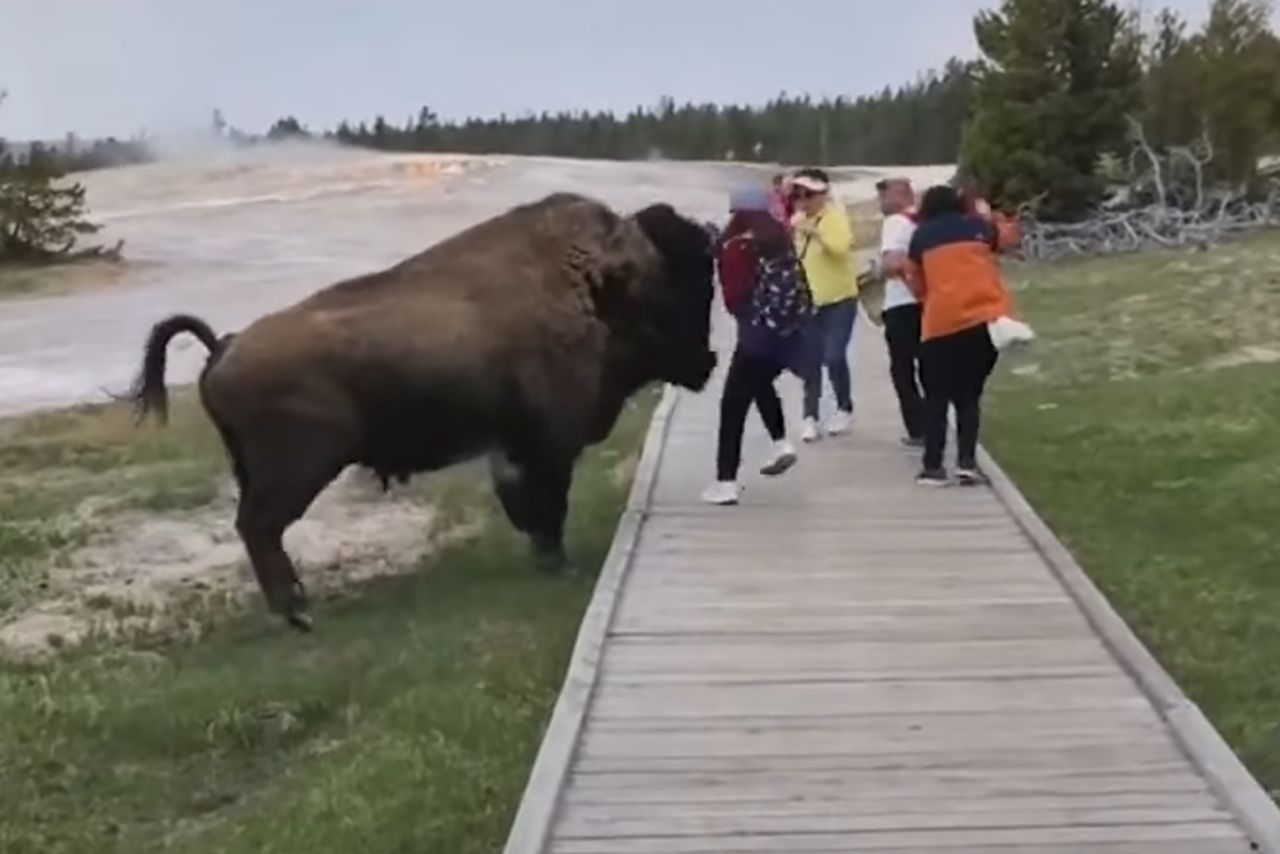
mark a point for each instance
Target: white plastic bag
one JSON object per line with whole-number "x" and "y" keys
{"x": 1006, "y": 332}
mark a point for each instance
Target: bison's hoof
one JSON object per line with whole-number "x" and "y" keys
{"x": 555, "y": 563}
{"x": 300, "y": 620}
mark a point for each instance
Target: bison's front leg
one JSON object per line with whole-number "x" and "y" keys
{"x": 534, "y": 490}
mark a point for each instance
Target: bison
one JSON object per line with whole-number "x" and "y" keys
{"x": 520, "y": 338}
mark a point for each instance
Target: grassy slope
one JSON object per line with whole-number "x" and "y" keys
{"x": 406, "y": 723}
{"x": 66, "y": 472}
{"x": 1151, "y": 444}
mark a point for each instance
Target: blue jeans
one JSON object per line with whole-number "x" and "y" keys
{"x": 832, "y": 329}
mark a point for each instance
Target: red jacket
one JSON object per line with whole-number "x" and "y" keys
{"x": 737, "y": 266}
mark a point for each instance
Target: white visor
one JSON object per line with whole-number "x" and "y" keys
{"x": 813, "y": 185}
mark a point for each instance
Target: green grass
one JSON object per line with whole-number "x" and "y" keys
{"x": 1146, "y": 430}
{"x": 407, "y": 722}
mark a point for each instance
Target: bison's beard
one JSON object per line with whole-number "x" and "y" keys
{"x": 694, "y": 373}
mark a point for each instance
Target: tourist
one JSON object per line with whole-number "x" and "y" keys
{"x": 763, "y": 288}
{"x": 973, "y": 198}
{"x": 901, "y": 312}
{"x": 824, "y": 244}
{"x": 956, "y": 277}
{"x": 780, "y": 204}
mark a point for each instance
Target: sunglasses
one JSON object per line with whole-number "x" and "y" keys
{"x": 806, "y": 194}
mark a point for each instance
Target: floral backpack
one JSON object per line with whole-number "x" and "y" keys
{"x": 782, "y": 302}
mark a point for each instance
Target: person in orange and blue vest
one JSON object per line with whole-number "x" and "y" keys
{"x": 953, "y": 270}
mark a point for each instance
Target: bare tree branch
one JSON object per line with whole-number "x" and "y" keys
{"x": 1139, "y": 136}
{"x": 1166, "y": 203}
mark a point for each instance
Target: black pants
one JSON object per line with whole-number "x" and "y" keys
{"x": 955, "y": 370}
{"x": 902, "y": 334}
{"x": 750, "y": 380}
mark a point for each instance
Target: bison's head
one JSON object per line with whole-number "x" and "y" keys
{"x": 681, "y": 295}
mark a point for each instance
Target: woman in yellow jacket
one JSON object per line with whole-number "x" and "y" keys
{"x": 824, "y": 244}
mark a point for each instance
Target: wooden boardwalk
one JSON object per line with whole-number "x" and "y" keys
{"x": 848, "y": 662}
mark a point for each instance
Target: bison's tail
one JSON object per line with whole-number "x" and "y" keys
{"x": 149, "y": 393}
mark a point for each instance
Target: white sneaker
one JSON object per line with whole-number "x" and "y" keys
{"x": 812, "y": 432}
{"x": 840, "y": 423}
{"x": 783, "y": 458}
{"x": 723, "y": 493}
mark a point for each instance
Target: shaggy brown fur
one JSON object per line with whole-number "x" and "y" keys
{"x": 520, "y": 338}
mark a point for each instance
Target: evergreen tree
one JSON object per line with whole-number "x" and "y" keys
{"x": 1050, "y": 99}
{"x": 287, "y": 128}
{"x": 1240, "y": 96}
{"x": 917, "y": 123}
{"x": 41, "y": 215}
{"x": 1173, "y": 87}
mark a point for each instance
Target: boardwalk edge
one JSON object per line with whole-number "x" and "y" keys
{"x": 1238, "y": 790}
{"x": 538, "y": 805}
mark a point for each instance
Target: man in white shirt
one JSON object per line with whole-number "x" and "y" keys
{"x": 902, "y": 312}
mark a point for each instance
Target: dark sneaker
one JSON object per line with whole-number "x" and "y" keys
{"x": 970, "y": 476}
{"x": 783, "y": 458}
{"x": 933, "y": 477}
{"x": 912, "y": 442}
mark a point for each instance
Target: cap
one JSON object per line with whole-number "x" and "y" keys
{"x": 892, "y": 181}
{"x": 749, "y": 198}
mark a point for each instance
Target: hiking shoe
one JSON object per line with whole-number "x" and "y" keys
{"x": 912, "y": 443}
{"x": 933, "y": 477}
{"x": 839, "y": 423}
{"x": 970, "y": 476}
{"x": 783, "y": 458}
{"x": 811, "y": 432}
{"x": 723, "y": 493}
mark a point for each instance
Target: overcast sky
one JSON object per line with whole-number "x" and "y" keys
{"x": 102, "y": 67}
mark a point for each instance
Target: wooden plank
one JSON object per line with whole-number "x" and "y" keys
{"x": 661, "y": 656}
{"x": 1079, "y": 759}
{"x": 1057, "y": 620}
{"x": 961, "y": 547}
{"x": 776, "y": 524}
{"x": 800, "y": 675}
{"x": 996, "y": 785}
{"x": 1180, "y": 846}
{"x": 961, "y": 723}
{"x": 903, "y": 805}
{"x": 803, "y": 600}
{"x": 853, "y": 581}
{"x": 873, "y": 511}
{"x": 924, "y": 570}
{"x": 731, "y": 742}
{"x": 622, "y": 700}
{"x": 996, "y": 840}
{"x": 1195, "y": 846}
{"x": 575, "y": 825}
